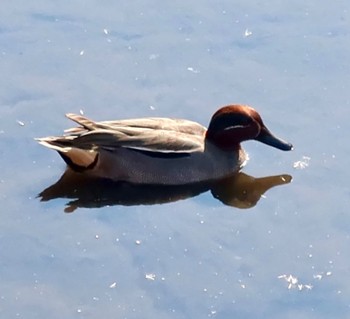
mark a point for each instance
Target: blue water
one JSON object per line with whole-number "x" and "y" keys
{"x": 286, "y": 257}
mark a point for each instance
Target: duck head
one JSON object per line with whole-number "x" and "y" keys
{"x": 234, "y": 124}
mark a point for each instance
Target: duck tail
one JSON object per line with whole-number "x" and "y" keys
{"x": 77, "y": 159}
{"x": 56, "y": 143}
{"x": 83, "y": 121}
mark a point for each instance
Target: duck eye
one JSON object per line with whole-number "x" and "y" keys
{"x": 233, "y": 126}
{"x": 229, "y": 121}
{"x": 236, "y": 120}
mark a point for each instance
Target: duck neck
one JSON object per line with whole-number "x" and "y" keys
{"x": 229, "y": 139}
{"x": 223, "y": 142}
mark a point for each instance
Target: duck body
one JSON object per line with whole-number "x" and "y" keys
{"x": 162, "y": 150}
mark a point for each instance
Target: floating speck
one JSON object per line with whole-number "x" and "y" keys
{"x": 292, "y": 280}
{"x": 152, "y": 108}
{"x": 303, "y": 163}
{"x": 97, "y": 236}
{"x": 308, "y": 287}
{"x": 247, "y": 33}
{"x": 20, "y": 123}
{"x": 81, "y": 112}
{"x": 192, "y": 70}
{"x": 153, "y": 56}
{"x": 138, "y": 242}
{"x": 150, "y": 277}
{"x": 113, "y": 285}
{"x": 82, "y": 52}
{"x": 289, "y": 278}
{"x": 105, "y": 31}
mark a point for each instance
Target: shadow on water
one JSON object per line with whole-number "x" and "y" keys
{"x": 239, "y": 190}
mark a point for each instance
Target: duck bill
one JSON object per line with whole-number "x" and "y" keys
{"x": 268, "y": 138}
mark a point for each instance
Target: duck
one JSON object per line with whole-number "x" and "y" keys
{"x": 162, "y": 151}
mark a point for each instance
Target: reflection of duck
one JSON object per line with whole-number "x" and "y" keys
{"x": 244, "y": 191}
{"x": 162, "y": 150}
{"x": 239, "y": 190}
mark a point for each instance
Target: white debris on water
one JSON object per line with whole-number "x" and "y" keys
{"x": 322, "y": 274}
{"x": 113, "y": 285}
{"x": 303, "y": 163}
{"x": 191, "y": 69}
{"x": 150, "y": 277}
{"x": 247, "y": 33}
{"x": 293, "y": 283}
{"x": 153, "y": 56}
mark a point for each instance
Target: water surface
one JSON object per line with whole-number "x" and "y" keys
{"x": 195, "y": 257}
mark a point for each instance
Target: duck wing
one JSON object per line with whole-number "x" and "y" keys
{"x": 150, "y": 134}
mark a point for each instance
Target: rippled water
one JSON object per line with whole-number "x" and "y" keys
{"x": 196, "y": 255}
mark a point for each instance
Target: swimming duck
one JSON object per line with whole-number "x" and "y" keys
{"x": 162, "y": 150}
